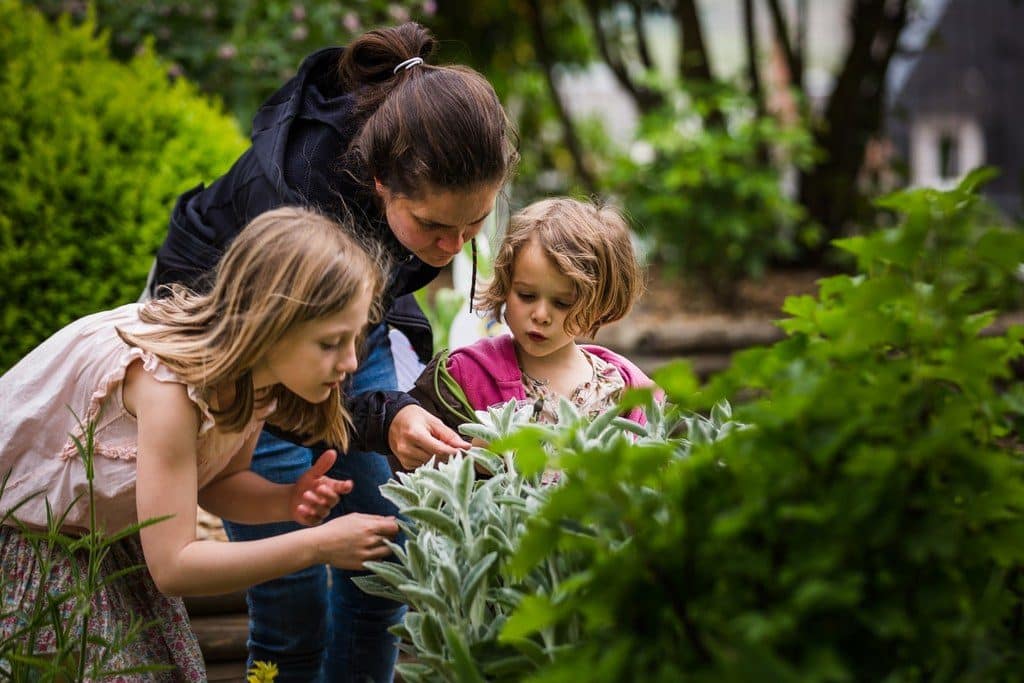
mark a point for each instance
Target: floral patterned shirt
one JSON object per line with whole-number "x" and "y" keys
{"x": 591, "y": 398}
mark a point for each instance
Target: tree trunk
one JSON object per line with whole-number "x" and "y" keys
{"x": 694, "y": 64}
{"x": 753, "y": 70}
{"x": 853, "y": 115}
{"x": 572, "y": 142}
{"x": 644, "y": 98}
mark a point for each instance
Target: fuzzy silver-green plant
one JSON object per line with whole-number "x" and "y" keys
{"x": 462, "y": 529}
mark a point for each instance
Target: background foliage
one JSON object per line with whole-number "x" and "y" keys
{"x": 867, "y": 527}
{"x": 94, "y": 152}
{"x": 712, "y": 200}
{"x": 239, "y": 51}
{"x": 707, "y": 195}
{"x": 867, "y": 524}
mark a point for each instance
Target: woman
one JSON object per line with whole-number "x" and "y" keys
{"x": 416, "y": 155}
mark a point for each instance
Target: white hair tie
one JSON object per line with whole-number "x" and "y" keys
{"x": 408, "y": 64}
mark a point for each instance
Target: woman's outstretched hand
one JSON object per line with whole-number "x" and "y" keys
{"x": 350, "y": 540}
{"x": 416, "y": 436}
{"x": 314, "y": 494}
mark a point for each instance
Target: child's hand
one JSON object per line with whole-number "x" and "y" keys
{"x": 313, "y": 495}
{"x": 349, "y": 541}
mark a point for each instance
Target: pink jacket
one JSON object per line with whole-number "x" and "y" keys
{"x": 489, "y": 373}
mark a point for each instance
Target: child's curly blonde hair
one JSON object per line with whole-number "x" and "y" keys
{"x": 589, "y": 243}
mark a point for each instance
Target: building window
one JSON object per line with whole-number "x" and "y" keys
{"x": 949, "y": 156}
{"x": 943, "y": 148}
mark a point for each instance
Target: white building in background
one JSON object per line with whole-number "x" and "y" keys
{"x": 956, "y": 104}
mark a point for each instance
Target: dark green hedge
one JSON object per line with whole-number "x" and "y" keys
{"x": 93, "y": 153}
{"x": 867, "y": 526}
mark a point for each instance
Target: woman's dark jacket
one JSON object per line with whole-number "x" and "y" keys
{"x": 299, "y": 136}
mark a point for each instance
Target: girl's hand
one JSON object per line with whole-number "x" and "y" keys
{"x": 313, "y": 495}
{"x": 348, "y": 541}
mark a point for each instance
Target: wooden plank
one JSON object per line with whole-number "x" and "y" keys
{"x": 226, "y": 671}
{"x": 222, "y": 637}
{"x": 226, "y": 603}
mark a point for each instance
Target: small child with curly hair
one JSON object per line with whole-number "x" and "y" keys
{"x": 564, "y": 269}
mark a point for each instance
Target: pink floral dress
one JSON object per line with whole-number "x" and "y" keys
{"x": 75, "y": 378}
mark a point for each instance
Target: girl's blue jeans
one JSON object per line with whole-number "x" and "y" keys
{"x": 315, "y": 624}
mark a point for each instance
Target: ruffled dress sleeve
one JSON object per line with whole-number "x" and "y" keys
{"x": 65, "y": 397}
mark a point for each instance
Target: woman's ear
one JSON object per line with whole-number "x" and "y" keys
{"x": 378, "y": 186}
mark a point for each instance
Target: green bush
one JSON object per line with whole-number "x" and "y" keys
{"x": 92, "y": 154}
{"x": 867, "y": 527}
{"x": 700, "y": 182}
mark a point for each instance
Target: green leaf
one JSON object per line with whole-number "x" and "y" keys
{"x": 436, "y": 520}
{"x": 533, "y": 614}
{"x": 474, "y": 580}
{"x": 466, "y": 670}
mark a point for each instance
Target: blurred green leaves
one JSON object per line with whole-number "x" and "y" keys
{"x": 94, "y": 152}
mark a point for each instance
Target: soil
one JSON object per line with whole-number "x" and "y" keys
{"x": 761, "y": 297}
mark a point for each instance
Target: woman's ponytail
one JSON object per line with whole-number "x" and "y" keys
{"x": 423, "y": 126}
{"x": 367, "y": 66}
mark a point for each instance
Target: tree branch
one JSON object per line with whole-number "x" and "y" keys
{"x": 572, "y": 142}
{"x": 641, "y": 34}
{"x": 800, "y": 40}
{"x": 694, "y": 64}
{"x": 645, "y": 98}
{"x": 782, "y": 35}
{"x": 753, "y": 74}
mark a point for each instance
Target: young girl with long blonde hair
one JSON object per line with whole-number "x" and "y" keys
{"x": 176, "y": 392}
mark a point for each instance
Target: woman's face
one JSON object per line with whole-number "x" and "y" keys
{"x": 435, "y": 226}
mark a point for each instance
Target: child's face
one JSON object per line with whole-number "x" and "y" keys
{"x": 538, "y": 302}
{"x": 313, "y": 357}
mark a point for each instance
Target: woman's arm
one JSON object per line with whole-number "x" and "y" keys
{"x": 167, "y": 486}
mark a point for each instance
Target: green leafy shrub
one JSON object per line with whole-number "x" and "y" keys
{"x": 461, "y": 534}
{"x": 79, "y": 655}
{"x": 708, "y": 194}
{"x": 94, "y": 153}
{"x": 242, "y": 51}
{"x": 868, "y": 527}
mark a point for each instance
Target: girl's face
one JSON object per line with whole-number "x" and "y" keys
{"x": 313, "y": 357}
{"x": 435, "y": 227}
{"x": 537, "y": 303}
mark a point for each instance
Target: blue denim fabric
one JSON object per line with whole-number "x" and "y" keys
{"x": 316, "y": 625}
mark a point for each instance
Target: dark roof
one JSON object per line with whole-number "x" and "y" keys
{"x": 973, "y": 64}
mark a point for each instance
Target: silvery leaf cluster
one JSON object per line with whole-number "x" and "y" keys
{"x": 461, "y": 528}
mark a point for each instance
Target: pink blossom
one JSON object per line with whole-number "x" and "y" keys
{"x": 398, "y": 13}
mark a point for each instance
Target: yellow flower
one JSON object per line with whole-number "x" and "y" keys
{"x": 262, "y": 672}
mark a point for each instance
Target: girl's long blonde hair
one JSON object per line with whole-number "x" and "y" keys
{"x": 288, "y": 266}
